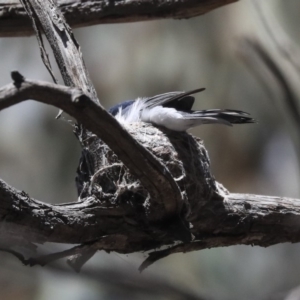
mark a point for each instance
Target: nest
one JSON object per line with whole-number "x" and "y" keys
{"x": 102, "y": 176}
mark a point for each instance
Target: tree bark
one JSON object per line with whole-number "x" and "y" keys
{"x": 236, "y": 219}
{"x": 15, "y": 22}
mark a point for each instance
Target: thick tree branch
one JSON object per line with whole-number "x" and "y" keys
{"x": 260, "y": 221}
{"x": 14, "y": 21}
{"x": 237, "y": 219}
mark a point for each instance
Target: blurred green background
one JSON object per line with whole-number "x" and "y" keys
{"x": 39, "y": 154}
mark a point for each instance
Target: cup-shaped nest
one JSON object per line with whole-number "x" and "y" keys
{"x": 104, "y": 177}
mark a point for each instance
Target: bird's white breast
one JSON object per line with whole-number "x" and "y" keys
{"x": 167, "y": 117}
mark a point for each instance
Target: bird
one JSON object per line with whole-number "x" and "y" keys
{"x": 173, "y": 110}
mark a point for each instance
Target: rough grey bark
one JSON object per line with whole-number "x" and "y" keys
{"x": 14, "y": 20}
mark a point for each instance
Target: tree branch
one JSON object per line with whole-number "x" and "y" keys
{"x": 14, "y": 21}
{"x": 260, "y": 221}
{"x": 236, "y": 219}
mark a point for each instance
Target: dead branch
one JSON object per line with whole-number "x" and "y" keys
{"x": 14, "y": 20}
{"x": 233, "y": 219}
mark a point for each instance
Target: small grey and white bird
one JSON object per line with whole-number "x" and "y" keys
{"x": 174, "y": 111}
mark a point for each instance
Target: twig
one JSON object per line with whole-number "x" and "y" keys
{"x": 100, "y": 171}
{"x": 207, "y": 243}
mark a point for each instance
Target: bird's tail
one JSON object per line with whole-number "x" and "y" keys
{"x": 226, "y": 117}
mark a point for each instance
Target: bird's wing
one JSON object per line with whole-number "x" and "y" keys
{"x": 183, "y": 104}
{"x": 123, "y": 106}
{"x": 178, "y": 100}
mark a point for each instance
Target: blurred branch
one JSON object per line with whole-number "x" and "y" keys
{"x": 131, "y": 283}
{"x": 293, "y": 294}
{"x": 279, "y": 79}
{"x": 283, "y": 44}
{"x": 124, "y": 279}
{"x": 14, "y": 21}
{"x": 275, "y": 61}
